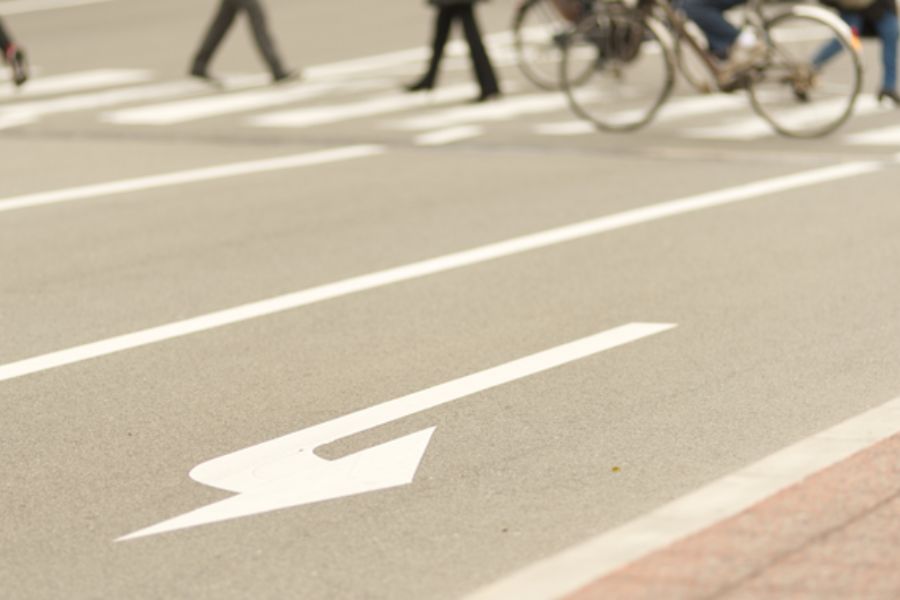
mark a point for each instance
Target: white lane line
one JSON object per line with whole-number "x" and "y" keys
{"x": 481, "y": 254}
{"x": 285, "y": 472}
{"x": 677, "y": 108}
{"x": 189, "y": 176}
{"x": 754, "y": 128}
{"x": 14, "y": 114}
{"x": 381, "y": 105}
{"x": 171, "y": 113}
{"x": 499, "y": 110}
{"x": 18, "y": 7}
{"x": 885, "y": 136}
{"x": 565, "y": 573}
{"x": 73, "y": 82}
{"x": 448, "y": 136}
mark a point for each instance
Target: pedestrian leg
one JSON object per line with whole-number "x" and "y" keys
{"x": 214, "y": 35}
{"x": 480, "y": 59}
{"x": 888, "y": 32}
{"x": 264, "y": 42}
{"x": 441, "y": 34}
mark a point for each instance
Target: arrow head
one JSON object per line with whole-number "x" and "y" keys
{"x": 304, "y": 478}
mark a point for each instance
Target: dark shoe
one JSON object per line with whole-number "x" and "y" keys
{"x": 890, "y": 95}
{"x": 420, "y": 85}
{"x": 286, "y": 77}
{"x": 15, "y": 57}
{"x": 485, "y": 96}
{"x": 202, "y": 73}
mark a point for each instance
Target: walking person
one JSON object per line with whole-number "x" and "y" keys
{"x": 464, "y": 11}
{"x": 878, "y": 18}
{"x": 14, "y": 56}
{"x": 228, "y": 11}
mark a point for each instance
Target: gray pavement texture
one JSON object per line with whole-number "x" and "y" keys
{"x": 786, "y": 307}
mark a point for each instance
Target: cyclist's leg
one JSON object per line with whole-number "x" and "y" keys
{"x": 709, "y": 16}
{"x": 831, "y": 49}
{"x": 480, "y": 60}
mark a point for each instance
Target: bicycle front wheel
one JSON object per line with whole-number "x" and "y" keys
{"x": 812, "y": 75}
{"x": 630, "y": 69}
{"x": 538, "y": 33}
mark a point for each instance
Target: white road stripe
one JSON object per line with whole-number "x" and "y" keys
{"x": 433, "y": 266}
{"x": 500, "y": 110}
{"x": 18, "y": 7}
{"x": 73, "y": 82}
{"x": 886, "y": 136}
{"x": 190, "y": 176}
{"x": 753, "y": 128}
{"x": 448, "y": 136}
{"x": 677, "y": 108}
{"x": 16, "y": 113}
{"x": 381, "y": 105}
{"x": 171, "y": 113}
{"x": 569, "y": 571}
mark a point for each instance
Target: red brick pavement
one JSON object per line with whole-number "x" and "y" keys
{"x": 833, "y": 536}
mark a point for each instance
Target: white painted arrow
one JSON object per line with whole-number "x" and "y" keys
{"x": 285, "y": 472}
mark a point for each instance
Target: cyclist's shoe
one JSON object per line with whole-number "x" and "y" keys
{"x": 743, "y": 58}
{"x": 801, "y": 83}
{"x": 15, "y": 58}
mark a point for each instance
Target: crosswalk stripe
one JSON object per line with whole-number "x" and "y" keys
{"x": 24, "y": 112}
{"x": 224, "y": 104}
{"x": 75, "y": 82}
{"x": 497, "y": 111}
{"x": 753, "y": 128}
{"x": 380, "y": 105}
{"x": 448, "y": 136}
{"x": 888, "y": 136}
{"x": 678, "y": 108}
{"x": 19, "y": 7}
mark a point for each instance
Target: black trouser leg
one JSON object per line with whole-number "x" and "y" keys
{"x": 263, "y": 37}
{"x": 441, "y": 35}
{"x": 480, "y": 60}
{"x": 214, "y": 35}
{"x": 5, "y": 40}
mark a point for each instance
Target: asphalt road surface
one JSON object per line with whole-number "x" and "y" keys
{"x": 417, "y": 345}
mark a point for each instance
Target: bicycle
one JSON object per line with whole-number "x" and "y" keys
{"x": 539, "y": 28}
{"x": 635, "y": 51}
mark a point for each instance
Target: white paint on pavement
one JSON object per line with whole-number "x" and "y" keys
{"x": 885, "y": 136}
{"x": 448, "y": 136}
{"x": 678, "y": 108}
{"x": 14, "y": 114}
{"x": 194, "y": 109}
{"x": 754, "y": 128}
{"x": 571, "y": 570}
{"x": 137, "y": 184}
{"x": 381, "y": 105}
{"x": 73, "y": 82}
{"x": 499, "y": 110}
{"x": 441, "y": 264}
{"x": 19, "y": 7}
{"x": 286, "y": 472}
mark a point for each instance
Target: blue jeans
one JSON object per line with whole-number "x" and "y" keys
{"x": 709, "y": 16}
{"x": 887, "y": 31}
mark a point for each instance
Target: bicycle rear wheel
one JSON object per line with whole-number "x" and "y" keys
{"x": 812, "y": 75}
{"x": 630, "y": 69}
{"x": 538, "y": 34}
